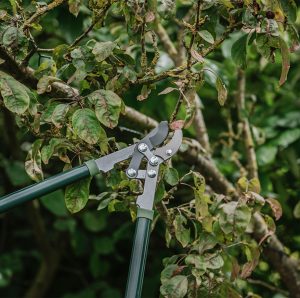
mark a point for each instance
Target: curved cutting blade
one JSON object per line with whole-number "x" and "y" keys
{"x": 152, "y": 139}
{"x": 171, "y": 147}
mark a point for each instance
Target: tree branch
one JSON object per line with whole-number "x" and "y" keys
{"x": 200, "y": 127}
{"x": 41, "y": 11}
{"x": 248, "y": 140}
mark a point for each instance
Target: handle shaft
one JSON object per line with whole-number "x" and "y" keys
{"x": 138, "y": 258}
{"x": 42, "y": 188}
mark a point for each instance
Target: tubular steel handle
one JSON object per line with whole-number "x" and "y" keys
{"x": 42, "y": 188}
{"x": 138, "y": 258}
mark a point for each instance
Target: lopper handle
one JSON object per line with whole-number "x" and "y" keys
{"x": 42, "y": 188}
{"x": 138, "y": 258}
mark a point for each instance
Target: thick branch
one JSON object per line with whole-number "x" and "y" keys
{"x": 200, "y": 127}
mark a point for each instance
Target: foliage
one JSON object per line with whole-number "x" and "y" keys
{"x": 69, "y": 70}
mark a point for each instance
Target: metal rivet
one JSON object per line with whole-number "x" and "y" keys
{"x": 131, "y": 172}
{"x": 151, "y": 173}
{"x": 169, "y": 152}
{"x": 142, "y": 147}
{"x": 154, "y": 161}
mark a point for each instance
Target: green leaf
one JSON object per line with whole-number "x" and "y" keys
{"x": 16, "y": 172}
{"x": 266, "y": 154}
{"x": 103, "y": 50}
{"x": 234, "y": 217}
{"x": 176, "y": 287}
{"x": 94, "y": 222}
{"x": 77, "y": 195}
{"x": 239, "y": 51}
{"x": 54, "y": 202}
{"x": 14, "y": 94}
{"x": 44, "y": 84}
{"x": 168, "y": 272}
{"x": 104, "y": 245}
{"x": 48, "y": 150}
{"x": 206, "y": 36}
{"x": 222, "y": 91}
{"x": 87, "y": 126}
{"x": 226, "y": 3}
{"x": 171, "y": 176}
{"x": 160, "y": 192}
{"x": 296, "y": 211}
{"x": 182, "y": 234}
{"x": 47, "y": 113}
{"x": 288, "y": 137}
{"x": 33, "y": 163}
{"x": 107, "y": 106}
{"x": 13, "y": 6}
{"x": 214, "y": 262}
{"x": 14, "y": 38}
{"x": 197, "y": 261}
{"x": 59, "y": 114}
{"x": 290, "y": 9}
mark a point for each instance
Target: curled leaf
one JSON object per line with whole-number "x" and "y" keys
{"x": 276, "y": 207}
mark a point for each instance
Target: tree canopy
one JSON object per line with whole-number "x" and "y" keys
{"x": 81, "y": 79}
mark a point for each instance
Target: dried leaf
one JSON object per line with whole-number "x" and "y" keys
{"x": 197, "y": 56}
{"x": 167, "y": 90}
{"x": 285, "y": 55}
{"x": 276, "y": 207}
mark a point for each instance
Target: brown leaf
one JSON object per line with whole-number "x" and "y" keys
{"x": 248, "y": 267}
{"x": 197, "y": 56}
{"x": 276, "y": 207}
{"x": 235, "y": 270}
{"x": 285, "y": 54}
{"x": 167, "y": 90}
{"x": 178, "y": 124}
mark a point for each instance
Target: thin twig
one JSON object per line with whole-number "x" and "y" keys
{"x": 268, "y": 286}
{"x": 41, "y": 11}
{"x": 247, "y": 137}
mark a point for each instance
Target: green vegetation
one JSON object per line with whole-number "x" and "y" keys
{"x": 80, "y": 79}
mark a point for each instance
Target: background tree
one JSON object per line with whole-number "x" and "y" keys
{"x": 80, "y": 79}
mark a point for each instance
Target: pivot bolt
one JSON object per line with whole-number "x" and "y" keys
{"x": 131, "y": 172}
{"x": 169, "y": 152}
{"x": 154, "y": 161}
{"x": 142, "y": 147}
{"x": 151, "y": 173}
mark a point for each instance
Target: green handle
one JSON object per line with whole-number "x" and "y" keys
{"x": 138, "y": 258}
{"x": 42, "y": 188}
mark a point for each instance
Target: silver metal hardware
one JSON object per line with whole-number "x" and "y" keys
{"x": 169, "y": 152}
{"x": 131, "y": 173}
{"x": 142, "y": 147}
{"x": 154, "y": 161}
{"x": 151, "y": 173}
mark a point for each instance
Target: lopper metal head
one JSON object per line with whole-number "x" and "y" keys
{"x": 145, "y": 149}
